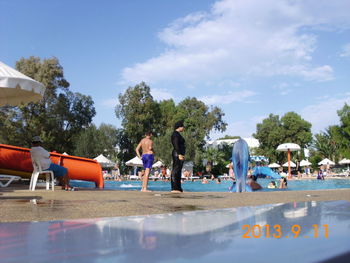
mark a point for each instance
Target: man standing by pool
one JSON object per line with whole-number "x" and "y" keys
{"x": 178, "y": 156}
{"x": 147, "y": 158}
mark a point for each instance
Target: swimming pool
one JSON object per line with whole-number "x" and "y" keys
{"x": 197, "y": 186}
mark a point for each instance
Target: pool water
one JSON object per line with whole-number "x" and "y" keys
{"x": 212, "y": 186}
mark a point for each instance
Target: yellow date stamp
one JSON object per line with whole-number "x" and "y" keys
{"x": 275, "y": 231}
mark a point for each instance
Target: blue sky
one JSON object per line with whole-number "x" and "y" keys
{"x": 249, "y": 57}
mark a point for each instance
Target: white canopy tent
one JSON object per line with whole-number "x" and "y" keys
{"x": 157, "y": 164}
{"x": 17, "y": 88}
{"x": 345, "y": 161}
{"x": 289, "y": 164}
{"x": 305, "y": 163}
{"x": 134, "y": 162}
{"x": 104, "y": 161}
{"x": 326, "y": 161}
{"x": 274, "y": 165}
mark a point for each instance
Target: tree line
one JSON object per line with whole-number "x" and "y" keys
{"x": 64, "y": 121}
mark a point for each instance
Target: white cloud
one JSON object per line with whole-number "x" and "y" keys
{"x": 346, "y": 51}
{"x": 283, "y": 88}
{"x": 242, "y": 37}
{"x": 161, "y": 94}
{"x": 244, "y": 129}
{"x": 324, "y": 113}
{"x": 322, "y": 73}
{"x": 238, "y": 96}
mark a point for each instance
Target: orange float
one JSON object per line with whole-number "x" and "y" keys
{"x": 16, "y": 161}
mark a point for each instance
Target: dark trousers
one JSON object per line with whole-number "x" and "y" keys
{"x": 176, "y": 172}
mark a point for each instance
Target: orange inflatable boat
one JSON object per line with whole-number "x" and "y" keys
{"x": 16, "y": 161}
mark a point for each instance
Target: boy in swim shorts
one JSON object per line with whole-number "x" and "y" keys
{"x": 146, "y": 144}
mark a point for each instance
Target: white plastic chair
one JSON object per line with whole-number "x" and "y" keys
{"x": 36, "y": 172}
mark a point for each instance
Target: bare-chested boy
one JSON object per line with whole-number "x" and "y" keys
{"x": 147, "y": 158}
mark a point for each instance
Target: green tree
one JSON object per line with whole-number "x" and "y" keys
{"x": 334, "y": 142}
{"x": 341, "y": 134}
{"x": 109, "y": 140}
{"x": 93, "y": 141}
{"x": 163, "y": 147}
{"x": 326, "y": 144}
{"x": 269, "y": 133}
{"x": 213, "y": 157}
{"x": 57, "y": 118}
{"x": 139, "y": 113}
{"x": 229, "y": 137}
{"x": 296, "y": 129}
{"x": 199, "y": 121}
{"x": 274, "y": 131}
{"x": 87, "y": 143}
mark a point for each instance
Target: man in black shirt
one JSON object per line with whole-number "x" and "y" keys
{"x": 178, "y": 156}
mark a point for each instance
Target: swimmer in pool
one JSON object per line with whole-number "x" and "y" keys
{"x": 272, "y": 184}
{"x": 283, "y": 183}
{"x": 146, "y": 144}
{"x": 252, "y": 182}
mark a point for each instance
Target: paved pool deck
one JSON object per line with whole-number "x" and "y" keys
{"x": 17, "y": 204}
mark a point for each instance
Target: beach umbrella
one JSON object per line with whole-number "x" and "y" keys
{"x": 104, "y": 161}
{"x": 17, "y": 88}
{"x": 326, "y": 161}
{"x": 274, "y": 165}
{"x": 305, "y": 163}
{"x": 157, "y": 164}
{"x": 289, "y": 164}
{"x": 288, "y": 147}
{"x": 345, "y": 161}
{"x": 136, "y": 161}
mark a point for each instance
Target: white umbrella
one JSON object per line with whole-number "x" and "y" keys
{"x": 136, "y": 161}
{"x": 305, "y": 163}
{"x": 288, "y": 147}
{"x": 345, "y": 161}
{"x": 17, "y": 88}
{"x": 326, "y": 161}
{"x": 274, "y": 165}
{"x": 104, "y": 161}
{"x": 157, "y": 164}
{"x": 289, "y": 164}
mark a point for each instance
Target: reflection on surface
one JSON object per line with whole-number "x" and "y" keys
{"x": 205, "y": 236}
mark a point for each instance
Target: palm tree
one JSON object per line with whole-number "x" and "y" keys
{"x": 213, "y": 157}
{"x": 325, "y": 145}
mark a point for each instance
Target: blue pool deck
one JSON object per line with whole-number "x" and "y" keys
{"x": 298, "y": 232}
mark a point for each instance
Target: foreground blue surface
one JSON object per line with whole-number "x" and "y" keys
{"x": 212, "y": 186}
{"x": 201, "y": 236}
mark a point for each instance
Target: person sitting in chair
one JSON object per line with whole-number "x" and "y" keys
{"x": 43, "y": 157}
